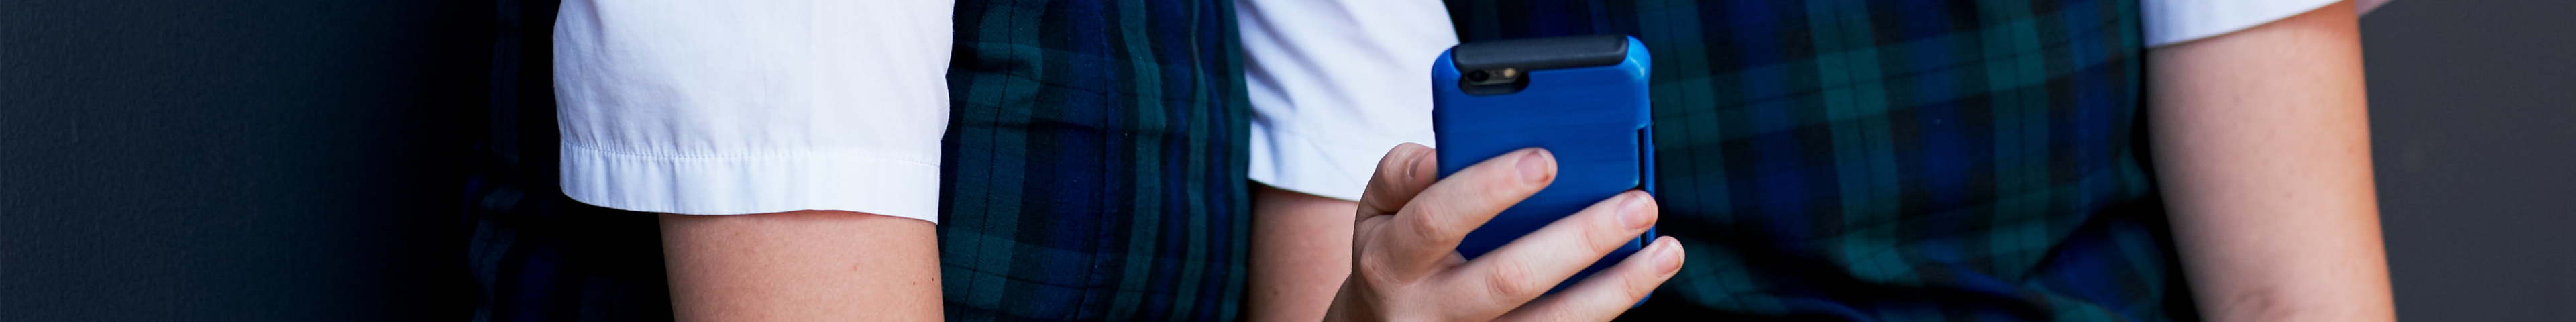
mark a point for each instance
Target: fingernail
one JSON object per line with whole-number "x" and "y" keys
{"x": 1671, "y": 257}
{"x": 1534, "y": 166}
{"x": 1632, "y": 212}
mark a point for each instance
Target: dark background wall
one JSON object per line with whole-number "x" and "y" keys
{"x": 276, "y": 160}
{"x": 301, "y": 159}
{"x": 2473, "y": 114}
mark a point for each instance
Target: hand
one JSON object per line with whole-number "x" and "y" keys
{"x": 1405, "y": 266}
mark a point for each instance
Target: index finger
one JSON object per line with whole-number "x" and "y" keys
{"x": 1430, "y": 226}
{"x": 1400, "y": 175}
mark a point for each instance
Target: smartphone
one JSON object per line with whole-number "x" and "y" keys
{"x": 1583, "y": 98}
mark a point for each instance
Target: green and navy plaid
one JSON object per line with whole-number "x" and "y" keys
{"x": 1892, "y": 160}
{"x": 1094, "y": 166}
{"x": 1829, "y": 159}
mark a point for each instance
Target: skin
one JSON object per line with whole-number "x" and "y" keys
{"x": 836, "y": 265}
{"x": 802, "y": 266}
{"x": 1295, "y": 268}
{"x": 2262, "y": 142}
{"x": 1404, "y": 266}
{"x": 1297, "y": 277}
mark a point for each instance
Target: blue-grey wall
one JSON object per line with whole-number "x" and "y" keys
{"x": 2473, "y": 120}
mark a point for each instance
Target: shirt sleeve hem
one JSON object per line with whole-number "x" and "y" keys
{"x": 734, "y": 185}
{"x": 1338, "y": 169}
{"x": 2174, "y": 22}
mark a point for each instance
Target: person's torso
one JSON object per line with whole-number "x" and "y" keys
{"x": 1830, "y": 159}
{"x": 1094, "y": 166}
{"x": 1892, "y": 160}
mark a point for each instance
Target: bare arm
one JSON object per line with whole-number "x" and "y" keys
{"x": 2263, "y": 143}
{"x": 802, "y": 266}
{"x": 1301, "y": 251}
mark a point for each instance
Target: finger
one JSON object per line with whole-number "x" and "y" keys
{"x": 1400, "y": 175}
{"x": 1529, "y": 266}
{"x": 1607, "y": 294}
{"x": 1428, "y": 228}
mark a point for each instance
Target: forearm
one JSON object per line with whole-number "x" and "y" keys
{"x": 1301, "y": 251}
{"x": 2262, "y": 143}
{"x": 802, "y": 266}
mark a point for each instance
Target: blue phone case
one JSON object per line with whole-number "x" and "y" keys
{"x": 1592, "y": 113}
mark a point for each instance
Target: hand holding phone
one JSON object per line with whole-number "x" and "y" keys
{"x": 1540, "y": 198}
{"x": 1580, "y": 97}
{"x": 1405, "y": 266}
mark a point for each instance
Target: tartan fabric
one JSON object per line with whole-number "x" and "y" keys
{"x": 1892, "y": 160}
{"x": 1094, "y": 167}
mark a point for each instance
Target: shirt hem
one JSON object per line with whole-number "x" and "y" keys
{"x": 734, "y": 185}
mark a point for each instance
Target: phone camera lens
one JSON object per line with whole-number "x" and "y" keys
{"x": 1478, "y": 76}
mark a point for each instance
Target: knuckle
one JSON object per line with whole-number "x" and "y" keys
{"x": 1374, "y": 269}
{"x": 1640, "y": 282}
{"x": 1385, "y": 192}
{"x": 1380, "y": 185}
{"x": 1392, "y": 165}
{"x": 1639, "y": 286}
{"x": 1509, "y": 280}
{"x": 1601, "y": 236}
{"x": 1426, "y": 225}
{"x": 1383, "y": 182}
{"x": 1398, "y": 162}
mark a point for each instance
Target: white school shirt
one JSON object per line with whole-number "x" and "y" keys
{"x": 1336, "y": 83}
{"x": 743, "y": 107}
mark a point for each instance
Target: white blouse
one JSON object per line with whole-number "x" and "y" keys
{"x": 742, "y": 107}
{"x": 739, "y": 107}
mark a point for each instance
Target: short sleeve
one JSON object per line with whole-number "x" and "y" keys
{"x": 742, "y": 107}
{"x": 1334, "y": 84}
{"x": 2175, "y": 21}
